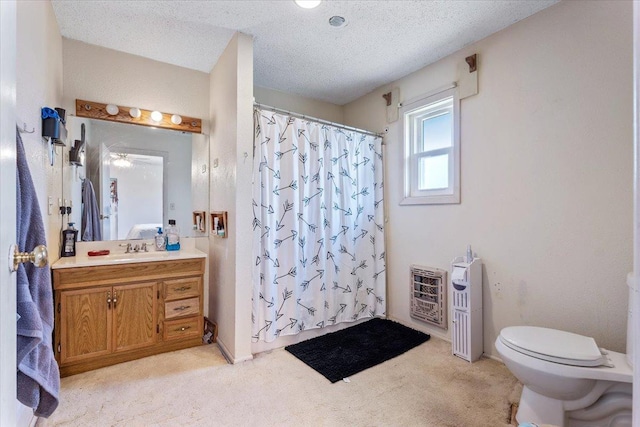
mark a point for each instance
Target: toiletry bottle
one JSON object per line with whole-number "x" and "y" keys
{"x": 173, "y": 236}
{"x": 160, "y": 242}
{"x": 69, "y": 237}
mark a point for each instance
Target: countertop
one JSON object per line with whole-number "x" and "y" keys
{"x": 114, "y": 258}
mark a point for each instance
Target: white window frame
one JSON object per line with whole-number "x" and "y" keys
{"x": 410, "y": 131}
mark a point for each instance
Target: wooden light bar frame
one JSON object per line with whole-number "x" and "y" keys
{"x": 97, "y": 110}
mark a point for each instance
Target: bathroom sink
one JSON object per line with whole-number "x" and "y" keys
{"x": 114, "y": 258}
{"x": 135, "y": 256}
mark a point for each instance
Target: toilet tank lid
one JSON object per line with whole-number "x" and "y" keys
{"x": 552, "y": 342}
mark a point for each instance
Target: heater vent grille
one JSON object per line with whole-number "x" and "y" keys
{"x": 429, "y": 295}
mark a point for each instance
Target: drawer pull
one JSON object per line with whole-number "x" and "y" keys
{"x": 184, "y": 288}
{"x": 184, "y": 328}
{"x": 182, "y": 307}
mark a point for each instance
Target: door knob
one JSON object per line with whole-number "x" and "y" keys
{"x": 39, "y": 257}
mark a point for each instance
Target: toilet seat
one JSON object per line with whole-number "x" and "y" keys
{"x": 553, "y": 345}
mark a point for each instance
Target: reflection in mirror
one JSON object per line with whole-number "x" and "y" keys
{"x": 141, "y": 178}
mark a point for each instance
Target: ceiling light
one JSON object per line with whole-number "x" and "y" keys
{"x": 135, "y": 112}
{"x": 337, "y": 21}
{"x": 176, "y": 119}
{"x": 156, "y": 116}
{"x": 307, "y": 4}
{"x": 112, "y": 109}
{"x": 121, "y": 161}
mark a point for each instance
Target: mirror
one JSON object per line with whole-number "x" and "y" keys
{"x": 141, "y": 178}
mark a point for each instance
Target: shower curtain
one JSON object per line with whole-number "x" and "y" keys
{"x": 318, "y": 242}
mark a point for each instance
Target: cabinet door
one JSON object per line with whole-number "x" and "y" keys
{"x": 460, "y": 339}
{"x": 86, "y": 324}
{"x": 136, "y": 316}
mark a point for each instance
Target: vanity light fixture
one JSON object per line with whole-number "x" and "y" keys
{"x": 308, "y": 4}
{"x": 137, "y": 116}
{"x": 135, "y": 113}
{"x": 112, "y": 109}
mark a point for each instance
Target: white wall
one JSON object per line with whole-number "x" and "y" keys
{"x": 299, "y": 104}
{"x": 231, "y": 82}
{"x": 546, "y": 175}
{"x": 39, "y": 84}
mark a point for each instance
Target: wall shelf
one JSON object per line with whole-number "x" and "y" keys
{"x": 219, "y": 218}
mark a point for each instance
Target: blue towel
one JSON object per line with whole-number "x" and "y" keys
{"x": 90, "y": 226}
{"x": 38, "y": 375}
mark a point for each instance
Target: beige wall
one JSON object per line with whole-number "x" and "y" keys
{"x": 231, "y": 96}
{"x": 99, "y": 74}
{"x": 39, "y": 84}
{"x": 546, "y": 175}
{"x": 299, "y": 104}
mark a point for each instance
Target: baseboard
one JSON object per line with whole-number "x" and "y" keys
{"x": 443, "y": 337}
{"x": 229, "y": 356}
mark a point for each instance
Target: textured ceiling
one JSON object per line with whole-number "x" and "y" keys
{"x": 296, "y": 50}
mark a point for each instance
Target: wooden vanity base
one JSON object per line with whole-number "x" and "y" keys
{"x": 114, "y": 313}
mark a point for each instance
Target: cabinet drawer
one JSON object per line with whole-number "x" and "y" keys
{"x": 181, "y": 288}
{"x": 183, "y": 307}
{"x": 183, "y": 328}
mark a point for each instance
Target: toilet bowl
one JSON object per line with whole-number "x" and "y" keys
{"x": 567, "y": 379}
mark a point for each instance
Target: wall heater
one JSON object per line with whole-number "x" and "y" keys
{"x": 429, "y": 295}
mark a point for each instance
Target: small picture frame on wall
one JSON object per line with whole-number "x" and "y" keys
{"x": 219, "y": 223}
{"x": 199, "y": 221}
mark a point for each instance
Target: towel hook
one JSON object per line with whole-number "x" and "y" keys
{"x": 24, "y": 129}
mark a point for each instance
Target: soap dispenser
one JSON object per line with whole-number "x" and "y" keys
{"x": 69, "y": 237}
{"x": 173, "y": 236}
{"x": 161, "y": 244}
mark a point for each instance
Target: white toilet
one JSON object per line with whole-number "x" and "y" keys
{"x": 568, "y": 380}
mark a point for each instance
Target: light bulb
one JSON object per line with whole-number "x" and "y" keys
{"x": 176, "y": 119}
{"x": 307, "y": 4}
{"x": 112, "y": 109}
{"x": 156, "y": 116}
{"x": 135, "y": 112}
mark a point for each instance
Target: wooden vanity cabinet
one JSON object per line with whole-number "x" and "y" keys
{"x": 110, "y": 314}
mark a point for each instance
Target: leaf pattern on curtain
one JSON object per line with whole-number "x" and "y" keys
{"x": 318, "y": 244}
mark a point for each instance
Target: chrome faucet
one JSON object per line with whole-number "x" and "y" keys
{"x": 136, "y": 248}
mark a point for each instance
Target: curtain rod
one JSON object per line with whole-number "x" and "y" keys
{"x": 315, "y": 119}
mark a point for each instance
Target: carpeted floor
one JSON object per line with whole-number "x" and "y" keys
{"x": 425, "y": 386}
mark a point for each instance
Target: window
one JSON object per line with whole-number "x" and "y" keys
{"x": 432, "y": 149}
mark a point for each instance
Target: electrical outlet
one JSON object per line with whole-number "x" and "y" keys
{"x": 50, "y": 206}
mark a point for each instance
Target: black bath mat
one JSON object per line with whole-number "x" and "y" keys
{"x": 341, "y": 354}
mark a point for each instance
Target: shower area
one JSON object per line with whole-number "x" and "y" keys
{"x": 318, "y": 245}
